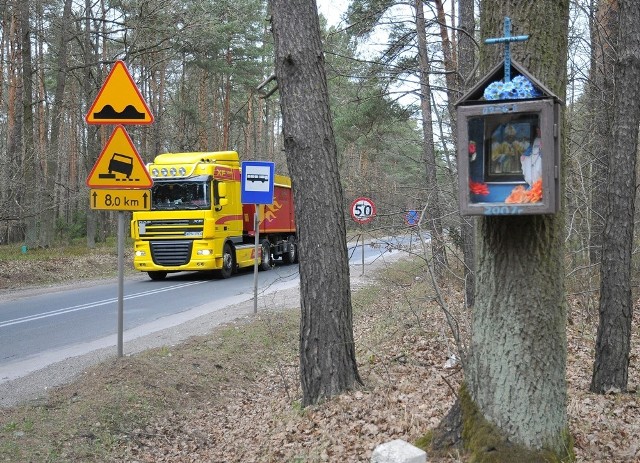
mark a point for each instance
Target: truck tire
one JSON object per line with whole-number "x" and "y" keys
{"x": 291, "y": 257}
{"x": 265, "y": 261}
{"x": 157, "y": 275}
{"x": 228, "y": 261}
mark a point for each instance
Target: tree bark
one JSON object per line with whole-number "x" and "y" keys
{"x": 518, "y": 352}
{"x": 30, "y": 174}
{"x": 613, "y": 341}
{"x": 515, "y": 389}
{"x": 516, "y": 373}
{"x": 434, "y": 208}
{"x": 604, "y": 36}
{"x": 327, "y": 351}
{"x": 90, "y": 62}
{"x": 466, "y": 63}
{"x": 49, "y": 214}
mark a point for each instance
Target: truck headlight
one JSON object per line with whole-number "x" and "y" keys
{"x": 204, "y": 252}
{"x": 140, "y": 253}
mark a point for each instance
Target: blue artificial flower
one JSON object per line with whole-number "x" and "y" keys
{"x": 518, "y": 88}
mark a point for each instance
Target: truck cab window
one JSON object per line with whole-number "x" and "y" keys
{"x": 181, "y": 195}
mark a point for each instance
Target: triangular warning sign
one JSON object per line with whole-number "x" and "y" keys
{"x": 119, "y": 165}
{"x": 119, "y": 100}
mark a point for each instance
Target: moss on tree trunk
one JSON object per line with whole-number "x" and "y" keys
{"x": 465, "y": 430}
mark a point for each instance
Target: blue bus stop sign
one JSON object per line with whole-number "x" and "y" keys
{"x": 257, "y": 182}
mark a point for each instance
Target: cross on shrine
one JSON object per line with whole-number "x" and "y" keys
{"x": 507, "y": 39}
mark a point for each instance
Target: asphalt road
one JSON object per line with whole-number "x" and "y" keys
{"x": 52, "y": 321}
{"x": 62, "y": 326}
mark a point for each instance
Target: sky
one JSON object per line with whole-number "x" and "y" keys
{"x": 332, "y": 9}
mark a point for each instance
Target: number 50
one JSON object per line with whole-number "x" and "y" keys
{"x": 363, "y": 210}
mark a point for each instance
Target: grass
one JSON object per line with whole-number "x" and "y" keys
{"x": 69, "y": 263}
{"x": 86, "y": 420}
{"x": 76, "y": 247}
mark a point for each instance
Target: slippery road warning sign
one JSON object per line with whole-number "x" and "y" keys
{"x": 119, "y": 100}
{"x": 119, "y": 165}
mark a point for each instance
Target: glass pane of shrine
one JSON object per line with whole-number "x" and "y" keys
{"x": 505, "y": 162}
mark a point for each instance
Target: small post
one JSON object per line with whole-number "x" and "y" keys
{"x": 362, "y": 235}
{"x": 256, "y": 229}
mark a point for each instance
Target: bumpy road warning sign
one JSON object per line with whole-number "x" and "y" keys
{"x": 119, "y": 100}
{"x": 119, "y": 165}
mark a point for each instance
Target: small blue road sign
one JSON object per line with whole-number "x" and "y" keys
{"x": 257, "y": 182}
{"x": 412, "y": 218}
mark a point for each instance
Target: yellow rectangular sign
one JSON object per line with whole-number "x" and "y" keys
{"x": 120, "y": 200}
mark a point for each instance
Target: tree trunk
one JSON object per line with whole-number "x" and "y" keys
{"x": 604, "y": 36}
{"x": 516, "y": 375}
{"x": 327, "y": 351}
{"x": 613, "y": 342}
{"x": 57, "y": 117}
{"x": 12, "y": 179}
{"x": 226, "y": 120}
{"x": 29, "y": 172}
{"x": 518, "y": 352}
{"x": 91, "y": 61}
{"x": 466, "y": 63}
{"x": 514, "y": 399}
{"x": 434, "y": 208}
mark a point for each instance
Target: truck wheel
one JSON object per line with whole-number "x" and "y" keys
{"x": 156, "y": 275}
{"x": 228, "y": 261}
{"x": 265, "y": 262}
{"x": 291, "y": 257}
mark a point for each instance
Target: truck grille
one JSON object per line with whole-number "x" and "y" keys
{"x": 171, "y": 253}
{"x": 177, "y": 228}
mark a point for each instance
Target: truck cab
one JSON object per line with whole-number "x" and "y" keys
{"x": 198, "y": 223}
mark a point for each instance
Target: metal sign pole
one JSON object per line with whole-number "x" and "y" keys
{"x": 256, "y": 229}
{"x": 362, "y": 235}
{"x": 120, "y": 282}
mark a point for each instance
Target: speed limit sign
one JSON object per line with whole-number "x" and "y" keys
{"x": 363, "y": 210}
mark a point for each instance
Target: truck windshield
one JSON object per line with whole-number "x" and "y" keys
{"x": 180, "y": 195}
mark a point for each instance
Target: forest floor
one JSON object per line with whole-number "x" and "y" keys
{"x": 234, "y": 396}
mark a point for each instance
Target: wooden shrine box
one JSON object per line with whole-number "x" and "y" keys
{"x": 509, "y": 147}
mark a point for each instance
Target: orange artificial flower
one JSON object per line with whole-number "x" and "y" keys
{"x": 535, "y": 193}
{"x": 518, "y": 196}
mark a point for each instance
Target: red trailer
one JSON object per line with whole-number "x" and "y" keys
{"x": 277, "y": 225}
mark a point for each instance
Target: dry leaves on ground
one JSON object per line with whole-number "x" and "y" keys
{"x": 403, "y": 351}
{"x": 245, "y": 407}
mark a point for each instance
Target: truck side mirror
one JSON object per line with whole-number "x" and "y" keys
{"x": 220, "y": 194}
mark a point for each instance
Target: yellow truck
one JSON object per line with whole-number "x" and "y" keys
{"x": 198, "y": 223}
